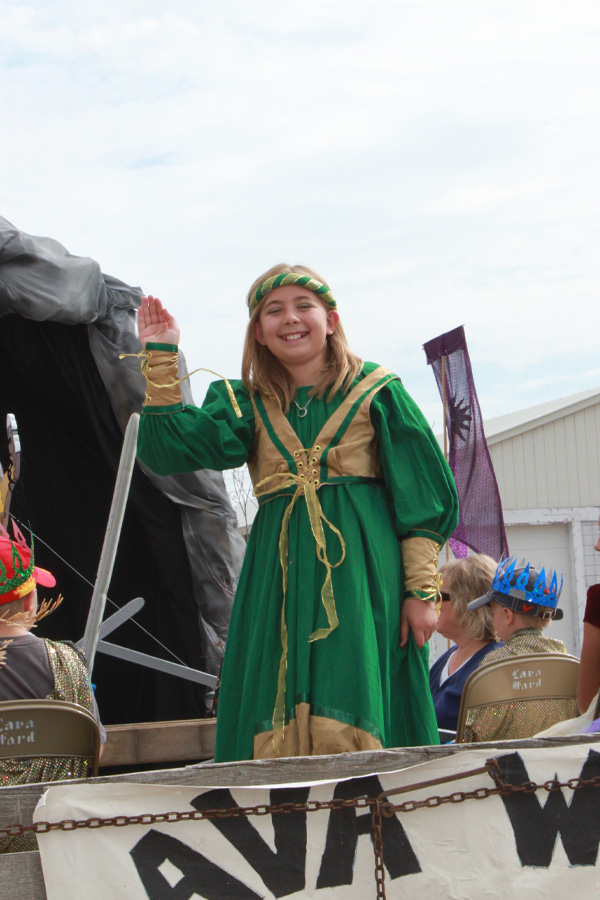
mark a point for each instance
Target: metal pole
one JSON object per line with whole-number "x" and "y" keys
{"x": 444, "y": 406}
{"x": 111, "y": 541}
{"x": 445, "y": 431}
{"x": 161, "y": 665}
{"x": 445, "y": 420}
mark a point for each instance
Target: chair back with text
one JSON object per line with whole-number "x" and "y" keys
{"x": 48, "y": 728}
{"x": 520, "y": 696}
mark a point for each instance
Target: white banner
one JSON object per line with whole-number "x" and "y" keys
{"x": 539, "y": 844}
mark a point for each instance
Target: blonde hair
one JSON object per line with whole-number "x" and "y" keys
{"x": 15, "y": 606}
{"x": 525, "y": 621}
{"x": 471, "y": 578}
{"x": 262, "y": 371}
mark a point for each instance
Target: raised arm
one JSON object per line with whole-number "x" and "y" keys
{"x": 156, "y": 324}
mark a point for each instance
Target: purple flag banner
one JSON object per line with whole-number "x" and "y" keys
{"x": 481, "y": 524}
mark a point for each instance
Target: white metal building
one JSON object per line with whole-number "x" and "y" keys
{"x": 547, "y": 463}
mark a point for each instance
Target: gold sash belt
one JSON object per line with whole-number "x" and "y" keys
{"x": 308, "y": 489}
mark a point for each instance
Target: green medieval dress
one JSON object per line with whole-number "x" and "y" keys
{"x": 350, "y": 687}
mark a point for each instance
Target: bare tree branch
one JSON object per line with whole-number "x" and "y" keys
{"x": 241, "y": 494}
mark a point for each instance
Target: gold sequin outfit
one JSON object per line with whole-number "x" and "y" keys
{"x": 71, "y": 683}
{"x": 518, "y": 718}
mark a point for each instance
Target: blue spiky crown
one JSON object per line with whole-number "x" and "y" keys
{"x": 525, "y": 583}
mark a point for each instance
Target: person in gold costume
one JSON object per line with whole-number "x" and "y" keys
{"x": 523, "y": 602}
{"x": 34, "y": 668}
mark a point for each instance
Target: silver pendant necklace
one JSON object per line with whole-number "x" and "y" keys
{"x": 302, "y": 409}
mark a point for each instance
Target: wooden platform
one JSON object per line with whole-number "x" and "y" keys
{"x": 158, "y": 742}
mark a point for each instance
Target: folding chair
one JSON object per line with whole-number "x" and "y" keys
{"x": 41, "y": 728}
{"x": 520, "y": 696}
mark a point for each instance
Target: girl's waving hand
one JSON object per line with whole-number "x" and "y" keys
{"x": 156, "y": 324}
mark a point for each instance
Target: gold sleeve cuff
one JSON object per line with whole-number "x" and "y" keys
{"x": 162, "y": 378}
{"x": 420, "y": 558}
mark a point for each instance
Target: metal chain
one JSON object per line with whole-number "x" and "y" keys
{"x": 502, "y": 789}
{"x": 380, "y": 806}
{"x": 376, "y": 824}
{"x": 189, "y": 815}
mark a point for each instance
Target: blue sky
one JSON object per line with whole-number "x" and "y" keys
{"x": 438, "y": 163}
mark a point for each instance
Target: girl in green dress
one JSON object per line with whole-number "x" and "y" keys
{"x": 336, "y": 599}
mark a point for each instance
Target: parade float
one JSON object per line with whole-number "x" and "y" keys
{"x": 485, "y": 820}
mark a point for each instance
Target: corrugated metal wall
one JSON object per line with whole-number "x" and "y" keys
{"x": 553, "y": 465}
{"x": 548, "y": 545}
{"x": 549, "y": 481}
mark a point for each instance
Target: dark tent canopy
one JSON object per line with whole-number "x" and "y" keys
{"x": 62, "y": 327}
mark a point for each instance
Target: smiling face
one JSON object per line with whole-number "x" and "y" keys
{"x": 294, "y": 324}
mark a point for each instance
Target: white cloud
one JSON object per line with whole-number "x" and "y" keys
{"x": 437, "y": 162}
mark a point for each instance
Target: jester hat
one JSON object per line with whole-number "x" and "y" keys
{"x": 18, "y": 574}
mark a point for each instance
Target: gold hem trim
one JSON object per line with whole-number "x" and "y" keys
{"x": 309, "y": 735}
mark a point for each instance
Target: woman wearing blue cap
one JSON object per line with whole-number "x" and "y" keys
{"x": 523, "y": 601}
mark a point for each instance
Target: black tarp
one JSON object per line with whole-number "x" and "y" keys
{"x": 62, "y": 326}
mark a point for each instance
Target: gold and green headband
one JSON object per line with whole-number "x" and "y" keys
{"x": 276, "y": 281}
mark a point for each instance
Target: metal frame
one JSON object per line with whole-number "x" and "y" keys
{"x": 95, "y": 628}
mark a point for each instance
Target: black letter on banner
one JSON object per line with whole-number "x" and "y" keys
{"x": 283, "y": 872}
{"x": 201, "y": 877}
{"x": 535, "y": 826}
{"x": 337, "y": 865}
